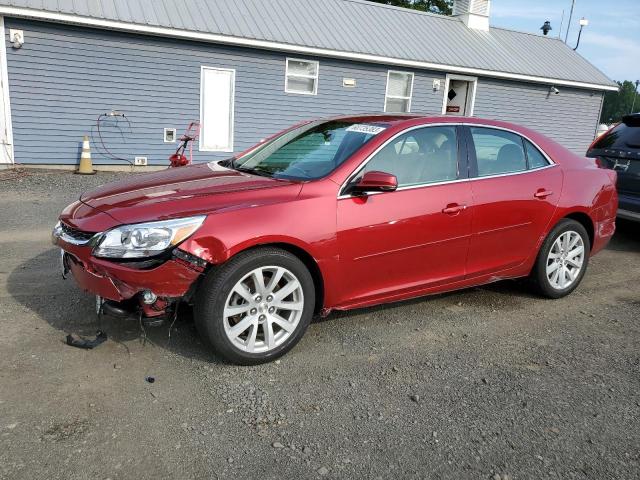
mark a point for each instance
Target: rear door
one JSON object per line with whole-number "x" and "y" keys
{"x": 515, "y": 190}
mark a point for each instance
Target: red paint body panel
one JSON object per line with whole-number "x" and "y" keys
{"x": 508, "y": 220}
{"x": 382, "y": 247}
{"x": 117, "y": 281}
{"x": 402, "y": 241}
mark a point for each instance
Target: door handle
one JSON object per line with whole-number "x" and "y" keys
{"x": 453, "y": 209}
{"x": 542, "y": 193}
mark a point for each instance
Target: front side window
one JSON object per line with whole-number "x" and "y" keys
{"x": 399, "y": 90}
{"x": 419, "y": 157}
{"x": 310, "y": 151}
{"x": 497, "y": 151}
{"x": 301, "y": 76}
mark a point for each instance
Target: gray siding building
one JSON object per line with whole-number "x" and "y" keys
{"x": 246, "y": 69}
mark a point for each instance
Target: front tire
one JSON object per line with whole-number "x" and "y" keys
{"x": 256, "y": 307}
{"x": 562, "y": 260}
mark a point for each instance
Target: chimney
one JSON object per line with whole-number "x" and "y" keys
{"x": 474, "y": 13}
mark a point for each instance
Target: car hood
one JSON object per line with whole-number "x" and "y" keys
{"x": 185, "y": 191}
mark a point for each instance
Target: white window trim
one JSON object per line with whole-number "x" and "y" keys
{"x": 8, "y": 155}
{"x": 474, "y": 86}
{"x": 201, "y": 148}
{"x": 386, "y": 92}
{"x": 297, "y": 75}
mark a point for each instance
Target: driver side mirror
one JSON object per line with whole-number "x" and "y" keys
{"x": 375, "y": 181}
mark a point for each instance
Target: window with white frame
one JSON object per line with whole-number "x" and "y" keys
{"x": 301, "y": 76}
{"x": 399, "y": 90}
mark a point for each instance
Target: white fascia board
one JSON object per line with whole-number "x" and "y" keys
{"x": 284, "y": 47}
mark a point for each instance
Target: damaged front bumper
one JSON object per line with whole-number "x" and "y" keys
{"x": 144, "y": 287}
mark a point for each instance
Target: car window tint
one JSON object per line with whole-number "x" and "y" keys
{"x": 535, "y": 157}
{"x": 421, "y": 156}
{"x": 498, "y": 151}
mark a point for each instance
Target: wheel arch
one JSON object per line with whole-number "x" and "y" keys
{"x": 585, "y": 220}
{"x": 304, "y": 256}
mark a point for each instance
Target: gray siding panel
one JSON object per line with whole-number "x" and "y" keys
{"x": 64, "y": 77}
{"x": 570, "y": 118}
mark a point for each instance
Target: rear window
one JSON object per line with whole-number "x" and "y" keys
{"x": 621, "y": 137}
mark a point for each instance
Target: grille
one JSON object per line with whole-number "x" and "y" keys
{"x": 77, "y": 235}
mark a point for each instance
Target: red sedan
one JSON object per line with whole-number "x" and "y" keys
{"x": 339, "y": 214}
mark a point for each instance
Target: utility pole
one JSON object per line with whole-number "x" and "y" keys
{"x": 635, "y": 95}
{"x": 566, "y": 37}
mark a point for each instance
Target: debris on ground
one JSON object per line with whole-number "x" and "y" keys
{"x": 74, "y": 340}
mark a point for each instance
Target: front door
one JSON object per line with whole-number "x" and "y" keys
{"x": 417, "y": 236}
{"x": 515, "y": 194}
{"x": 459, "y": 96}
{"x": 217, "y": 96}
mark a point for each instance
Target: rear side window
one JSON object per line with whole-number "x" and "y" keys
{"x": 534, "y": 156}
{"x": 498, "y": 151}
{"x": 621, "y": 137}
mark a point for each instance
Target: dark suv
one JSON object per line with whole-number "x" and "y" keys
{"x": 619, "y": 150}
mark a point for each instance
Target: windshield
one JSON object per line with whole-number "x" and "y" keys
{"x": 310, "y": 151}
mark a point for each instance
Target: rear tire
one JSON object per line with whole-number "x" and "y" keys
{"x": 256, "y": 307}
{"x": 562, "y": 260}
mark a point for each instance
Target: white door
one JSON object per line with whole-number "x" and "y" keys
{"x": 459, "y": 95}
{"x": 6, "y": 137}
{"x": 217, "y": 91}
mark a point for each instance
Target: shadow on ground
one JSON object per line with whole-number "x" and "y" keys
{"x": 627, "y": 237}
{"x": 37, "y": 284}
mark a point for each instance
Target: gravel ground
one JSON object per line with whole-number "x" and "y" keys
{"x": 486, "y": 383}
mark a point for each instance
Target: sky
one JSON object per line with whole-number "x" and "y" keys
{"x": 611, "y": 41}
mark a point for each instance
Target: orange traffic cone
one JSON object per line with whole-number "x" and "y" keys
{"x": 85, "y": 167}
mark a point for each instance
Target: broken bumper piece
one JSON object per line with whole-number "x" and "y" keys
{"x": 147, "y": 290}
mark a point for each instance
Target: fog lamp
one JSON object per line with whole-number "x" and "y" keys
{"x": 149, "y": 297}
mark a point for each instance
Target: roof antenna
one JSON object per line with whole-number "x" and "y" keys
{"x": 566, "y": 36}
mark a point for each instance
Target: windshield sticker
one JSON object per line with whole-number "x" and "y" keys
{"x": 364, "y": 128}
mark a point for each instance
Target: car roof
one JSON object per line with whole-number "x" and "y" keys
{"x": 411, "y": 119}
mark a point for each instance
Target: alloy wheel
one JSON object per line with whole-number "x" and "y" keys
{"x": 263, "y": 309}
{"x": 565, "y": 260}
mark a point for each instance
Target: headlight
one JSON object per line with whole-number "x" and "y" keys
{"x": 146, "y": 239}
